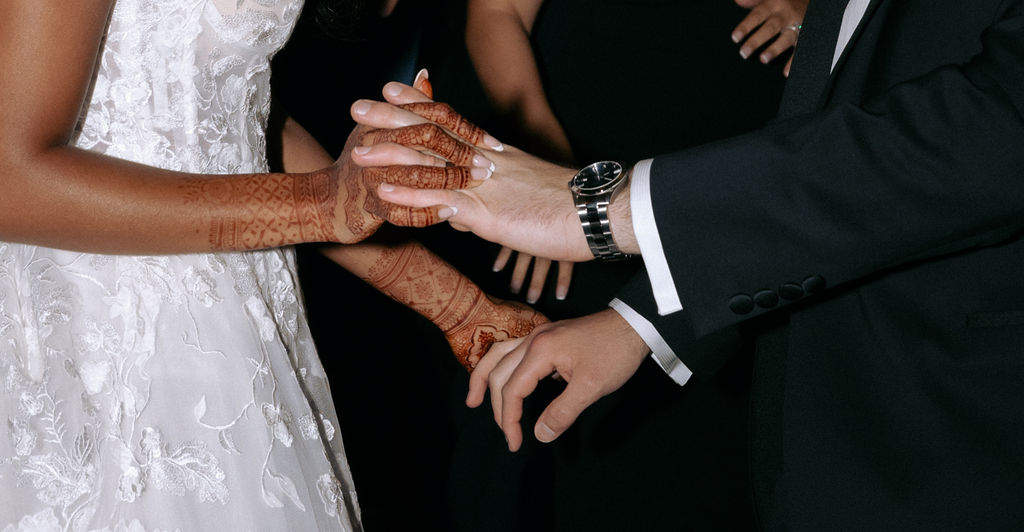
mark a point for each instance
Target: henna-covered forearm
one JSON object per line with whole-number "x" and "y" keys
{"x": 412, "y": 275}
{"x": 262, "y": 211}
{"x": 259, "y": 211}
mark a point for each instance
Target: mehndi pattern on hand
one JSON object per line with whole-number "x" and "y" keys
{"x": 469, "y": 319}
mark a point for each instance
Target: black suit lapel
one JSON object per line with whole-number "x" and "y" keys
{"x": 810, "y": 75}
{"x": 813, "y": 57}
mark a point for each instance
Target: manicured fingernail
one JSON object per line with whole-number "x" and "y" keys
{"x": 493, "y": 143}
{"x": 387, "y": 187}
{"x": 515, "y": 287}
{"x": 495, "y": 268}
{"x": 480, "y": 173}
{"x": 480, "y": 161}
{"x": 544, "y": 433}
{"x": 736, "y": 36}
{"x": 361, "y": 150}
{"x": 532, "y": 296}
{"x": 392, "y": 89}
{"x": 560, "y": 293}
{"x": 765, "y": 58}
{"x": 420, "y": 76}
{"x": 447, "y": 212}
{"x": 744, "y": 53}
{"x": 361, "y": 107}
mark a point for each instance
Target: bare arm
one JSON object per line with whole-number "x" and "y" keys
{"x": 498, "y": 41}
{"x": 60, "y": 196}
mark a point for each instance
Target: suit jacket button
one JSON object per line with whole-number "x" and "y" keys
{"x": 791, "y": 291}
{"x": 741, "y": 304}
{"x": 766, "y": 299}
{"x": 814, "y": 283}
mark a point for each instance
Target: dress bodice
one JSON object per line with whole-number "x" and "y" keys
{"x": 185, "y": 84}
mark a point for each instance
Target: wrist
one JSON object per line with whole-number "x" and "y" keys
{"x": 620, "y": 219}
{"x": 595, "y": 189}
{"x": 316, "y": 198}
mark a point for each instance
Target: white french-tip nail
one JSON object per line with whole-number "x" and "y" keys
{"x": 361, "y": 107}
{"x": 420, "y": 76}
{"x": 480, "y": 174}
{"x": 361, "y": 150}
{"x": 493, "y": 143}
{"x": 559, "y": 296}
{"x": 744, "y": 54}
{"x": 387, "y": 187}
{"x": 447, "y": 212}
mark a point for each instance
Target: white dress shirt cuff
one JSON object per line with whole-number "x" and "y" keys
{"x": 660, "y": 350}
{"x": 647, "y": 238}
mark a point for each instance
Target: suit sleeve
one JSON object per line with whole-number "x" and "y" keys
{"x": 757, "y": 223}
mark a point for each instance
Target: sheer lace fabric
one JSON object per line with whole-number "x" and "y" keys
{"x": 170, "y": 392}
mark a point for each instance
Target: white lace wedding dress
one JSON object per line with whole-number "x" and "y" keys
{"x": 169, "y": 392}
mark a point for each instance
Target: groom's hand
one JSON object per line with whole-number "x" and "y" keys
{"x": 595, "y": 355}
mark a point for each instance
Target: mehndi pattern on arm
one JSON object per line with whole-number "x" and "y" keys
{"x": 255, "y": 212}
{"x": 469, "y": 319}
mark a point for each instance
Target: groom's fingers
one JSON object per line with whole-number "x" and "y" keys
{"x": 517, "y": 386}
{"x": 414, "y": 197}
{"x": 399, "y": 93}
{"x": 388, "y": 154}
{"x": 428, "y": 136}
{"x": 484, "y": 372}
{"x": 383, "y": 115}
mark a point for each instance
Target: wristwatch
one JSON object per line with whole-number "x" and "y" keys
{"x": 592, "y": 189}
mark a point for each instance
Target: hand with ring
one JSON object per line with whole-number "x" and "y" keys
{"x": 775, "y": 21}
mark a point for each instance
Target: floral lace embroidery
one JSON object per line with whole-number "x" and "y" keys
{"x": 169, "y": 393}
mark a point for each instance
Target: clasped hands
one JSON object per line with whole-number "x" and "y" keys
{"x": 524, "y": 204}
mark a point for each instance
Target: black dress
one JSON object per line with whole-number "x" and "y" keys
{"x": 628, "y": 80}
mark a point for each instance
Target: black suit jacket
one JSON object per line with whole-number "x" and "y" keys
{"x": 872, "y": 238}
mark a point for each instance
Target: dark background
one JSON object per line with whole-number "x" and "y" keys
{"x": 654, "y": 455}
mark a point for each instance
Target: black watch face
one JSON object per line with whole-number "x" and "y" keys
{"x": 596, "y": 178}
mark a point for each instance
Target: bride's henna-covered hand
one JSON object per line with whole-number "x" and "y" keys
{"x": 471, "y": 320}
{"x": 364, "y": 212}
{"x": 336, "y": 204}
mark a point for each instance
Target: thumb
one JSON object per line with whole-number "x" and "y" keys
{"x": 563, "y": 411}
